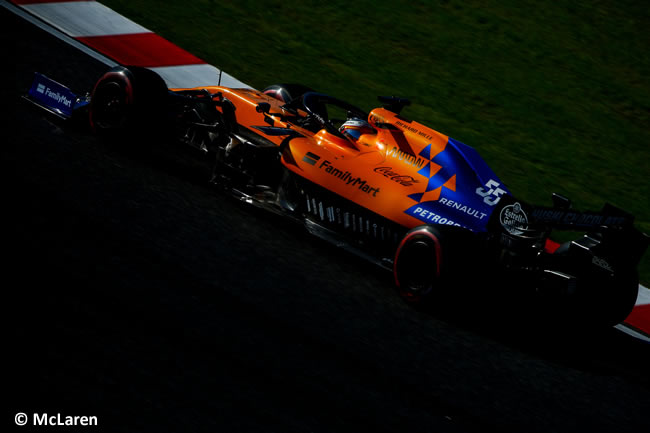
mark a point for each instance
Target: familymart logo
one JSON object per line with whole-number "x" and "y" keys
{"x": 311, "y": 158}
{"x": 57, "y": 96}
{"x": 349, "y": 178}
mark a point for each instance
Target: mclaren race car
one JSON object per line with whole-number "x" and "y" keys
{"x": 411, "y": 199}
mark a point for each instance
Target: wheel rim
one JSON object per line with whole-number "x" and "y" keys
{"x": 109, "y": 106}
{"x": 417, "y": 275}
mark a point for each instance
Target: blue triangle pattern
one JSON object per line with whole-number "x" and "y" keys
{"x": 426, "y": 152}
{"x": 440, "y": 178}
{"x": 426, "y": 170}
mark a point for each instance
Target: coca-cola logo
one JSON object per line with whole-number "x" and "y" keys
{"x": 514, "y": 219}
{"x": 403, "y": 180}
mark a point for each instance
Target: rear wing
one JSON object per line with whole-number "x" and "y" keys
{"x": 570, "y": 219}
{"x": 613, "y": 225}
{"x": 54, "y": 97}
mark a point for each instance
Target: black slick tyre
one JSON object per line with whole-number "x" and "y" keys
{"x": 126, "y": 100}
{"x": 418, "y": 264}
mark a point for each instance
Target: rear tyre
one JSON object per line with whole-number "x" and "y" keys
{"x": 608, "y": 301}
{"x": 418, "y": 264}
{"x": 605, "y": 290}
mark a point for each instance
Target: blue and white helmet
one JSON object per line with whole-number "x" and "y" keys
{"x": 355, "y": 127}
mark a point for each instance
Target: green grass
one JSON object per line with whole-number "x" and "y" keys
{"x": 555, "y": 96}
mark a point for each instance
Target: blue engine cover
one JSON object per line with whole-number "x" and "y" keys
{"x": 477, "y": 190}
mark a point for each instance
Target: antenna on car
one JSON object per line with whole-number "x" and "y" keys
{"x": 220, "y": 72}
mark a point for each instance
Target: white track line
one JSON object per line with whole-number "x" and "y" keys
{"x": 643, "y": 297}
{"x": 196, "y": 75}
{"x": 630, "y": 331}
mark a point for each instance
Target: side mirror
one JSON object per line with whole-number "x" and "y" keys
{"x": 263, "y": 107}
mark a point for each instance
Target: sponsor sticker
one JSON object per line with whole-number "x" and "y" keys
{"x": 514, "y": 219}
{"x": 400, "y": 155}
{"x": 425, "y": 213}
{"x": 463, "y": 208}
{"x": 311, "y": 158}
{"x": 413, "y": 130}
{"x": 52, "y": 95}
{"x": 348, "y": 178}
{"x": 403, "y": 180}
{"x": 578, "y": 219}
{"x": 602, "y": 263}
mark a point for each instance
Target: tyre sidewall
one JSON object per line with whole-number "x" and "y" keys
{"x": 419, "y": 264}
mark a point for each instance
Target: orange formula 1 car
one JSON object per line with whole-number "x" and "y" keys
{"x": 414, "y": 200}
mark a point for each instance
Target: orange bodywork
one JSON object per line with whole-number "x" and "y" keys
{"x": 378, "y": 172}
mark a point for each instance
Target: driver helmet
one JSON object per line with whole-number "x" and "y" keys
{"x": 355, "y": 127}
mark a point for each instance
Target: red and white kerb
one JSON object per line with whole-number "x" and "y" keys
{"x": 126, "y": 42}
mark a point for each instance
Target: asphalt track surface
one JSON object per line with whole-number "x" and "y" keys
{"x": 138, "y": 295}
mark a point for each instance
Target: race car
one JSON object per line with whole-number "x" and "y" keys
{"x": 405, "y": 196}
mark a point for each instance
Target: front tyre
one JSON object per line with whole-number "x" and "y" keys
{"x": 128, "y": 100}
{"x": 112, "y": 100}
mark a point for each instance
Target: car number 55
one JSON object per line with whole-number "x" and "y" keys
{"x": 491, "y": 193}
